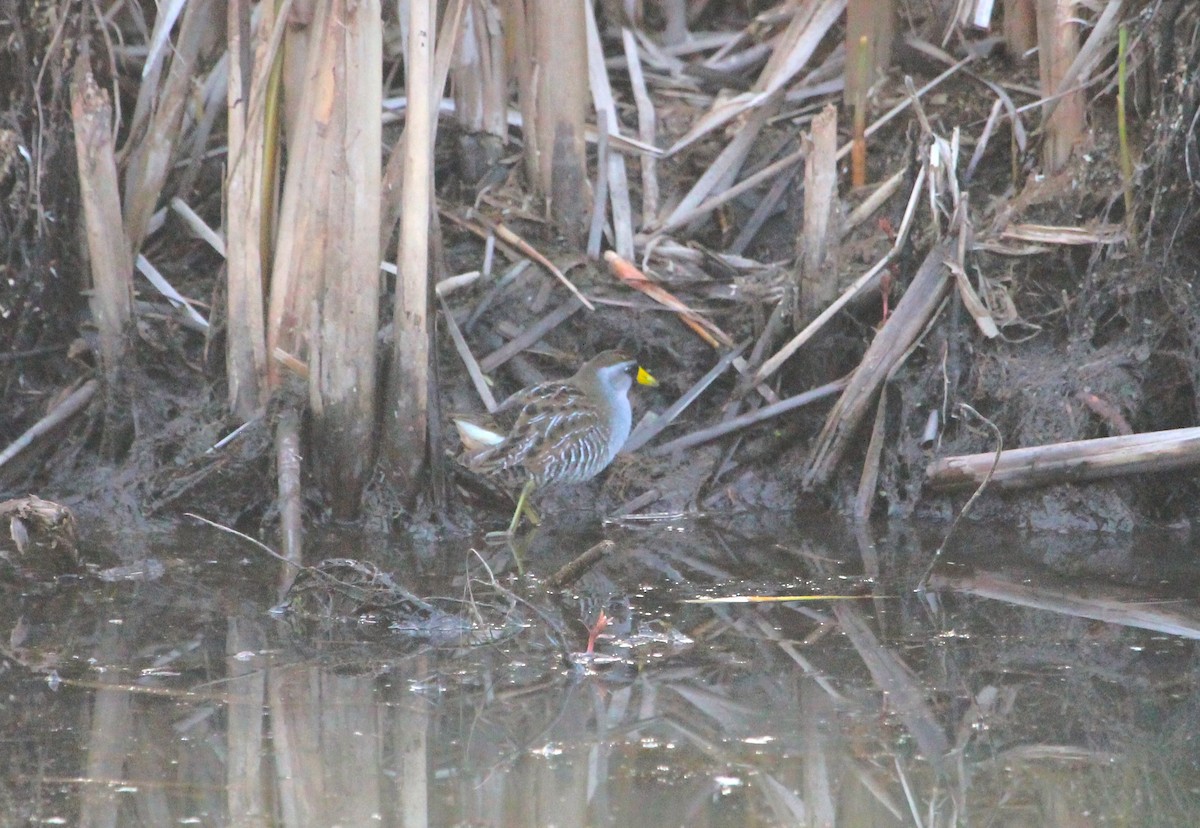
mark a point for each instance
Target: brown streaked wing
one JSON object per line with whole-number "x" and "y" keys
{"x": 540, "y": 407}
{"x": 572, "y": 443}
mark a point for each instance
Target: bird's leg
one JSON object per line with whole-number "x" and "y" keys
{"x": 522, "y": 507}
{"x": 531, "y": 514}
{"x": 594, "y": 631}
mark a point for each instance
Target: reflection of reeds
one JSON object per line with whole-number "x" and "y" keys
{"x": 1117, "y": 607}
{"x": 772, "y": 710}
{"x": 110, "y": 740}
{"x": 327, "y": 746}
{"x": 248, "y": 801}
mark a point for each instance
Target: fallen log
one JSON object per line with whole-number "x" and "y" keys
{"x": 1069, "y": 462}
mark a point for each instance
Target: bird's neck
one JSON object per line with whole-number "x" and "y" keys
{"x": 616, "y": 410}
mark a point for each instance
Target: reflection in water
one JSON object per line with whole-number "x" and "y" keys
{"x": 1000, "y": 699}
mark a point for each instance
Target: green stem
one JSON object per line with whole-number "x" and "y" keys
{"x": 1123, "y": 134}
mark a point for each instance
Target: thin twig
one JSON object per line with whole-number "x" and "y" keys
{"x": 525, "y": 248}
{"x": 599, "y": 195}
{"x": 573, "y": 571}
{"x": 764, "y": 413}
{"x": 244, "y": 537}
{"x": 924, "y": 582}
{"x": 530, "y": 335}
{"x": 464, "y": 352}
{"x": 770, "y": 171}
{"x": 59, "y": 414}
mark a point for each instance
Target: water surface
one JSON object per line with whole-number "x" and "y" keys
{"x": 1039, "y": 680}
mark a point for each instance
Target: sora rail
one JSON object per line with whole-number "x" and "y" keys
{"x": 564, "y": 431}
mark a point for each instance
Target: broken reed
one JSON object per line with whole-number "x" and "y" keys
{"x": 111, "y": 298}
{"x": 870, "y": 27}
{"x": 1065, "y": 108}
{"x": 858, "y": 151}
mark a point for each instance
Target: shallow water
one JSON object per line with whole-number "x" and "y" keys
{"x": 1041, "y": 680}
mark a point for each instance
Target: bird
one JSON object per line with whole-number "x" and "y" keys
{"x": 561, "y": 432}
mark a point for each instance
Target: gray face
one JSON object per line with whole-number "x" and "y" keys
{"x": 618, "y": 377}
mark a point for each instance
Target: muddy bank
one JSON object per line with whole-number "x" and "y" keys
{"x": 1093, "y": 325}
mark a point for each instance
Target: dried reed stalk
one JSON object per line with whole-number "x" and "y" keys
{"x": 407, "y": 419}
{"x": 288, "y": 456}
{"x": 1071, "y": 461}
{"x": 247, "y": 260}
{"x": 518, "y": 44}
{"x": 807, "y": 27}
{"x": 560, "y": 49}
{"x": 547, "y": 49}
{"x": 150, "y": 160}
{"x": 393, "y": 177}
{"x": 1020, "y": 27}
{"x": 108, "y": 248}
{"x": 481, "y": 72}
{"x": 772, "y": 170}
{"x": 647, "y": 126}
{"x": 1058, "y": 44}
{"x": 901, "y": 330}
{"x": 611, "y": 164}
{"x": 325, "y": 281}
{"x": 817, "y": 280}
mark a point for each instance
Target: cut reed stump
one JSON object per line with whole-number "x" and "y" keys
{"x": 108, "y": 253}
{"x": 111, "y": 261}
{"x": 818, "y": 249}
{"x": 1070, "y": 462}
